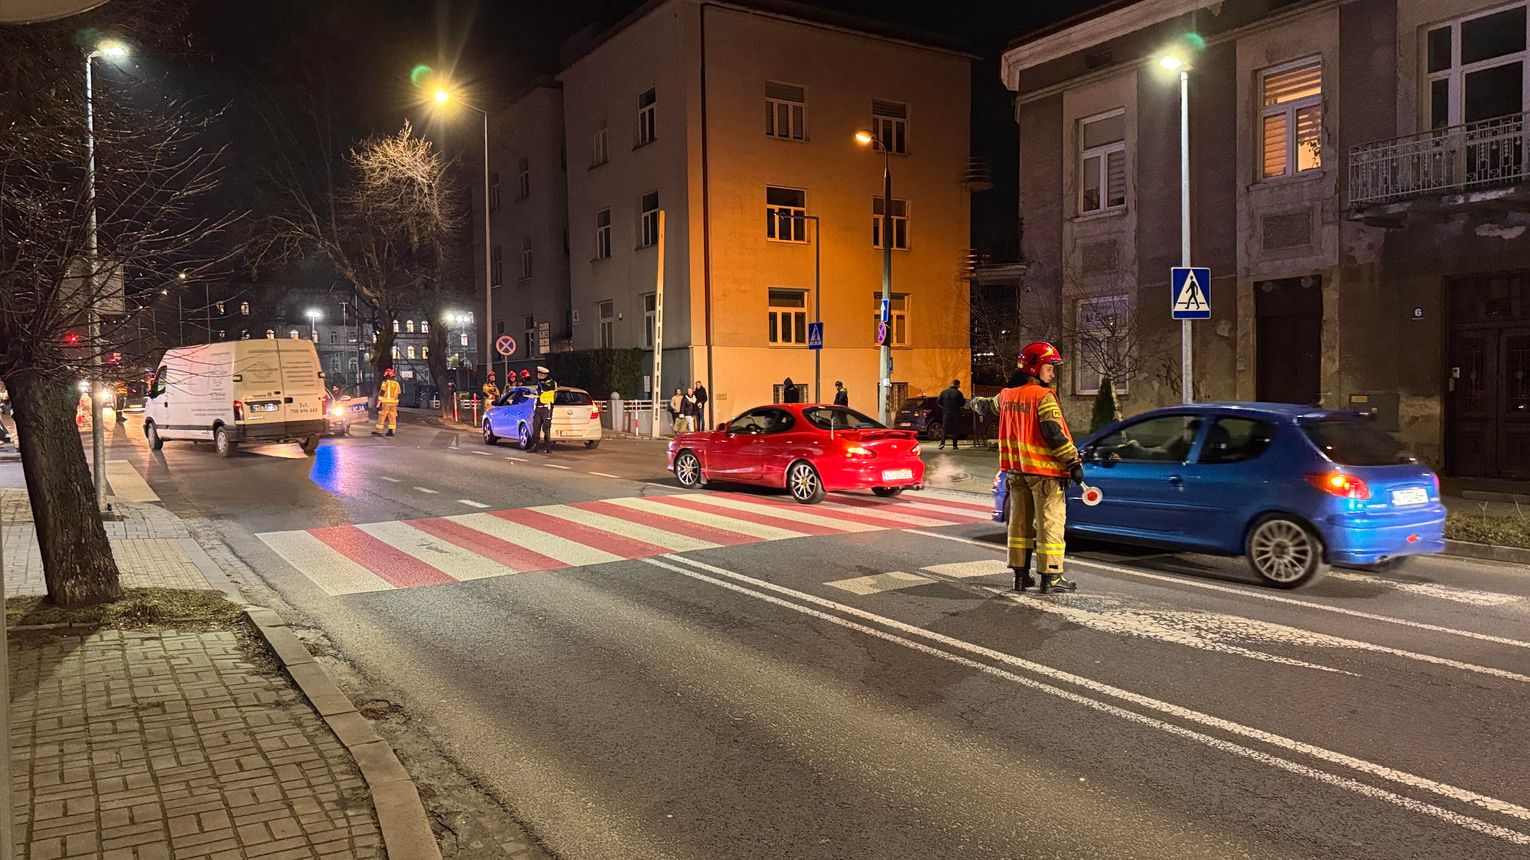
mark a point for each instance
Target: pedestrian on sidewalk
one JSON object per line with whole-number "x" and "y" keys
{"x": 387, "y": 404}
{"x": 789, "y": 392}
{"x": 841, "y": 396}
{"x": 688, "y": 409}
{"x": 951, "y": 402}
{"x": 701, "y": 405}
{"x": 1037, "y": 453}
{"x": 675, "y": 401}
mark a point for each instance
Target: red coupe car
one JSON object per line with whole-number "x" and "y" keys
{"x": 809, "y": 449}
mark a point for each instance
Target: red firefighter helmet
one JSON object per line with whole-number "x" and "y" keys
{"x": 525, "y": 374}
{"x": 491, "y": 376}
{"x": 1037, "y": 354}
{"x": 388, "y": 374}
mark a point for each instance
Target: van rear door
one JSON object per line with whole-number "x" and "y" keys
{"x": 302, "y": 381}
{"x": 257, "y": 375}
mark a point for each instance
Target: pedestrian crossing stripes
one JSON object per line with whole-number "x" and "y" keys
{"x": 353, "y": 559}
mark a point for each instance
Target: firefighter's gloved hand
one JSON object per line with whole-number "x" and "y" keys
{"x": 1076, "y": 472}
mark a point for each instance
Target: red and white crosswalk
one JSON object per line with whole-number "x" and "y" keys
{"x": 351, "y": 559}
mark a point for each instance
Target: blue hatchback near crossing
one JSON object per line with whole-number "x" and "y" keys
{"x": 1290, "y": 487}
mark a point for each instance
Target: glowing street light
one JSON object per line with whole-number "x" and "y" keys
{"x": 442, "y": 94}
{"x": 1175, "y": 59}
{"x": 314, "y": 315}
{"x": 884, "y": 369}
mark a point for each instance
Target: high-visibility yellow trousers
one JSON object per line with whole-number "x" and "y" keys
{"x": 387, "y": 414}
{"x": 1038, "y": 513}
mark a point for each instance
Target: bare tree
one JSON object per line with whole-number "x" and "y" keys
{"x": 151, "y": 180}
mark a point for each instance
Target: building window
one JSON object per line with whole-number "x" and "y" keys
{"x": 409, "y": 326}
{"x": 424, "y": 326}
{"x": 600, "y": 149}
{"x": 784, "y": 211}
{"x": 395, "y": 326}
{"x": 425, "y": 352}
{"x": 497, "y": 267}
{"x": 607, "y": 324}
{"x": 494, "y": 191}
{"x": 409, "y": 352}
{"x": 1291, "y": 119}
{"x": 219, "y": 306}
{"x": 395, "y": 352}
{"x": 788, "y": 317}
{"x": 334, "y": 336}
{"x": 499, "y": 327}
{"x": 531, "y": 336}
{"x": 647, "y": 118}
{"x": 244, "y": 308}
{"x": 603, "y": 234}
{"x": 1102, "y": 162}
{"x": 464, "y": 339}
{"x": 785, "y": 111}
{"x": 650, "y": 318}
{"x": 899, "y": 223}
{"x": 526, "y": 257}
{"x": 897, "y": 317}
{"x": 889, "y": 123}
{"x": 1476, "y": 68}
{"x": 524, "y": 169}
{"x": 648, "y": 220}
{"x": 1101, "y": 341}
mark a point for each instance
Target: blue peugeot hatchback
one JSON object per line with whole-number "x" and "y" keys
{"x": 1290, "y": 487}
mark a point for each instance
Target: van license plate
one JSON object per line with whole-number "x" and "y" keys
{"x": 898, "y": 474}
{"x": 263, "y": 407}
{"x": 1410, "y": 496}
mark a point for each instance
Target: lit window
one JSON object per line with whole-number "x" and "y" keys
{"x": 1291, "y": 119}
{"x": 425, "y": 352}
{"x": 603, "y": 234}
{"x": 409, "y": 352}
{"x": 395, "y": 352}
{"x": 889, "y": 123}
{"x": 395, "y": 326}
{"x": 785, "y": 111}
{"x": 648, "y": 220}
{"x": 899, "y": 223}
{"x": 647, "y": 118}
{"x": 424, "y": 326}
{"x": 1102, "y": 162}
{"x": 897, "y": 316}
{"x": 409, "y": 326}
{"x": 784, "y": 211}
{"x": 788, "y": 317}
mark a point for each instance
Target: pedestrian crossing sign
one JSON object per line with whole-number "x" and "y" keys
{"x": 1190, "y": 293}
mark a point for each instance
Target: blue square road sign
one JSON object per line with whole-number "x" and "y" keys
{"x": 1190, "y": 293}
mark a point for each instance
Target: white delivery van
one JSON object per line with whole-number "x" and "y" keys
{"x": 239, "y": 391}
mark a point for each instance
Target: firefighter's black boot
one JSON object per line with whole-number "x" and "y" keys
{"x": 1023, "y": 578}
{"x": 1055, "y": 583}
{"x": 390, "y": 432}
{"x": 376, "y": 432}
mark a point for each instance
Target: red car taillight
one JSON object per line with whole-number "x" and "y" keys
{"x": 859, "y": 452}
{"x": 238, "y": 410}
{"x": 1341, "y": 485}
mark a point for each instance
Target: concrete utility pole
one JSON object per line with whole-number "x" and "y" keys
{"x": 1186, "y": 359}
{"x": 658, "y": 330}
{"x": 92, "y": 276}
{"x": 7, "y": 840}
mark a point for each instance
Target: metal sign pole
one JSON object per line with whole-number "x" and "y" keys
{"x": 1186, "y": 359}
{"x": 658, "y": 328}
{"x": 7, "y": 844}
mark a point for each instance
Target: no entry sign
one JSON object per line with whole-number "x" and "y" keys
{"x": 505, "y": 345}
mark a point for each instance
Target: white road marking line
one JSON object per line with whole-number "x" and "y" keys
{"x": 557, "y": 466}
{"x": 718, "y": 520}
{"x": 445, "y": 556}
{"x": 1257, "y": 594}
{"x": 472, "y": 504}
{"x": 1469, "y": 596}
{"x": 670, "y": 540}
{"x": 326, "y": 568}
{"x": 516, "y": 459}
{"x": 572, "y": 553}
{"x": 481, "y": 453}
{"x": 127, "y": 484}
{"x": 427, "y": 490}
{"x": 895, "y": 519}
{"x": 388, "y": 479}
{"x": 605, "y": 475}
{"x": 877, "y": 583}
{"x": 969, "y": 569}
{"x": 781, "y": 512}
{"x": 1373, "y": 769}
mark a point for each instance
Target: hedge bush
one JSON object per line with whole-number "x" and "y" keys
{"x": 602, "y": 371}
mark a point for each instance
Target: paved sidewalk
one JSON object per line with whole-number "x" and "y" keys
{"x": 139, "y": 745}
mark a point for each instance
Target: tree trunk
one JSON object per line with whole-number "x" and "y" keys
{"x": 77, "y": 558}
{"x": 382, "y": 350}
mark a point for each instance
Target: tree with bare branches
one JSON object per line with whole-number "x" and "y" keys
{"x": 152, "y": 179}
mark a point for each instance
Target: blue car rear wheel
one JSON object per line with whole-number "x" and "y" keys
{"x": 1284, "y": 552}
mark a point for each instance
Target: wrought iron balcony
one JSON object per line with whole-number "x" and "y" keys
{"x": 1455, "y": 160}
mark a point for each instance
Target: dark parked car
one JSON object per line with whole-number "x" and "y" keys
{"x": 923, "y": 415}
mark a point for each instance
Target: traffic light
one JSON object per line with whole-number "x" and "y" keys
{"x": 72, "y": 338}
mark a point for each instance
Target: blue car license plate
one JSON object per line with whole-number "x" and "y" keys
{"x": 1410, "y": 496}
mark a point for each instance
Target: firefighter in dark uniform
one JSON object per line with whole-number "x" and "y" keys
{"x": 541, "y": 417}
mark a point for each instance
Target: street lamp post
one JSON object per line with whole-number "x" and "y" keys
{"x": 884, "y": 370}
{"x": 313, "y": 315}
{"x": 113, "y": 50}
{"x": 442, "y": 96}
{"x": 817, "y": 301}
{"x": 1176, "y": 63}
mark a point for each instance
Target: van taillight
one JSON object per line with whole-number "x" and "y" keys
{"x": 238, "y": 410}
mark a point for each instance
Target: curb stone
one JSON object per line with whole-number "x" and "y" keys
{"x": 1487, "y": 552}
{"x": 406, "y": 829}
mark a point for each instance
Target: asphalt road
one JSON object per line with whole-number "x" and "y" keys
{"x": 855, "y": 680}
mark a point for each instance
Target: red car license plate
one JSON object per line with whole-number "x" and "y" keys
{"x": 897, "y": 474}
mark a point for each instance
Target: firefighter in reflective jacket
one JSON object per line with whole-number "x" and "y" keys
{"x": 541, "y": 416}
{"x": 1036, "y": 450}
{"x": 387, "y": 403}
{"x": 490, "y": 391}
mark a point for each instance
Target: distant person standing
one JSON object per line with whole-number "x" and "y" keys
{"x": 701, "y": 405}
{"x": 688, "y": 409}
{"x": 387, "y": 404}
{"x": 541, "y": 414}
{"x": 789, "y": 392}
{"x": 951, "y": 402}
{"x": 841, "y": 396}
{"x": 677, "y": 400}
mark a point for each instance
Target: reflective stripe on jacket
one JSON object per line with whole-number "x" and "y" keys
{"x": 389, "y": 391}
{"x": 1022, "y": 445}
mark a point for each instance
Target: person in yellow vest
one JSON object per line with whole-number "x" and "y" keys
{"x": 1036, "y": 450}
{"x": 490, "y": 391}
{"x": 387, "y": 403}
{"x": 541, "y": 416}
